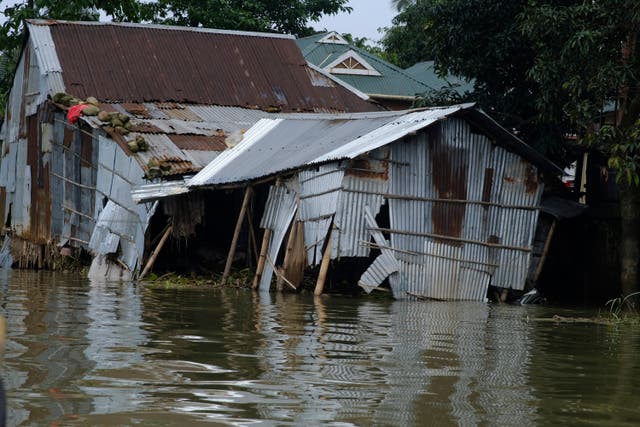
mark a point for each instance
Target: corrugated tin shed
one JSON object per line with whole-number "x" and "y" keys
{"x": 122, "y": 62}
{"x": 462, "y": 196}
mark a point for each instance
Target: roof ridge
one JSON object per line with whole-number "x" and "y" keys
{"x": 387, "y": 63}
{"x": 50, "y": 22}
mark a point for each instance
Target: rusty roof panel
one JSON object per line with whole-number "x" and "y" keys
{"x": 138, "y": 110}
{"x": 146, "y": 63}
{"x": 199, "y": 142}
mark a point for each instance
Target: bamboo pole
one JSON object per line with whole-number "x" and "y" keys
{"x": 236, "y": 233}
{"x": 287, "y": 254}
{"x": 324, "y": 266}
{"x": 252, "y": 235}
{"x": 156, "y": 251}
{"x": 264, "y": 248}
{"x": 263, "y": 256}
{"x": 545, "y": 251}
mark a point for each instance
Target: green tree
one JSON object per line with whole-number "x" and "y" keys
{"x": 405, "y": 40}
{"x": 365, "y": 44}
{"x": 284, "y": 16}
{"x": 587, "y": 56}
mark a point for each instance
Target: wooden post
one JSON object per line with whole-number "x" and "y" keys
{"x": 236, "y": 233}
{"x": 266, "y": 237}
{"x": 287, "y": 253}
{"x": 263, "y": 256}
{"x": 252, "y": 236}
{"x": 324, "y": 266}
{"x": 545, "y": 250}
{"x": 155, "y": 252}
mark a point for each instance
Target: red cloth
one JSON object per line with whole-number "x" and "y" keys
{"x": 75, "y": 112}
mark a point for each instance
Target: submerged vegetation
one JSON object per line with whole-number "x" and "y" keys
{"x": 624, "y": 309}
{"x": 237, "y": 279}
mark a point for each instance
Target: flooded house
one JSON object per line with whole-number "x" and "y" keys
{"x": 168, "y": 101}
{"x": 436, "y": 203}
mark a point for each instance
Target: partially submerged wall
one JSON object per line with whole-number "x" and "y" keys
{"x": 462, "y": 214}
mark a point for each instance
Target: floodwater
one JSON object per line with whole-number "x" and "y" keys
{"x": 82, "y": 353}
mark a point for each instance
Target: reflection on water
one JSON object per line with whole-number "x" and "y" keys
{"x": 121, "y": 354}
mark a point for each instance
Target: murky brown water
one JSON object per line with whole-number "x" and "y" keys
{"x": 121, "y": 354}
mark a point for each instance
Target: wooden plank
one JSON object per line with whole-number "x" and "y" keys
{"x": 156, "y": 251}
{"x": 324, "y": 266}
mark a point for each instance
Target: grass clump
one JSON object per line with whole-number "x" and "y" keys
{"x": 237, "y": 279}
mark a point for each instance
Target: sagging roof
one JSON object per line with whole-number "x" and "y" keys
{"x": 274, "y": 146}
{"x": 137, "y": 63}
{"x": 182, "y": 138}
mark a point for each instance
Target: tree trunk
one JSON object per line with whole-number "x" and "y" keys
{"x": 630, "y": 232}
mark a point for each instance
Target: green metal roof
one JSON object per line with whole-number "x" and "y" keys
{"x": 425, "y": 72}
{"x": 392, "y": 81}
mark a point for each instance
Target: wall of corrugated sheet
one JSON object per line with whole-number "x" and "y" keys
{"x": 462, "y": 213}
{"x": 50, "y": 74}
{"x": 319, "y": 191}
{"x": 364, "y": 185}
{"x": 501, "y": 192}
{"x": 121, "y": 221}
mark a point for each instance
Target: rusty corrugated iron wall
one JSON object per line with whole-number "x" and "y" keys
{"x": 463, "y": 212}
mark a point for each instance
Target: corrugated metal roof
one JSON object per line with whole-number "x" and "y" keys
{"x": 148, "y": 192}
{"x": 50, "y": 68}
{"x": 185, "y": 144}
{"x": 285, "y": 144}
{"x": 294, "y": 143}
{"x": 425, "y": 72}
{"x": 146, "y": 63}
{"x": 391, "y": 81}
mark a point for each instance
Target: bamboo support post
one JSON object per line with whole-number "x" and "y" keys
{"x": 236, "y": 233}
{"x": 545, "y": 250}
{"x": 287, "y": 254}
{"x": 264, "y": 248}
{"x": 252, "y": 235}
{"x": 156, "y": 251}
{"x": 263, "y": 256}
{"x": 324, "y": 266}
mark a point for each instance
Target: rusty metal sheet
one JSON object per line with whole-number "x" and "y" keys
{"x": 476, "y": 195}
{"x": 199, "y": 142}
{"x": 146, "y": 63}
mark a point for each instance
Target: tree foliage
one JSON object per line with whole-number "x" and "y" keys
{"x": 587, "y": 63}
{"x": 285, "y": 16}
{"x": 405, "y": 42}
